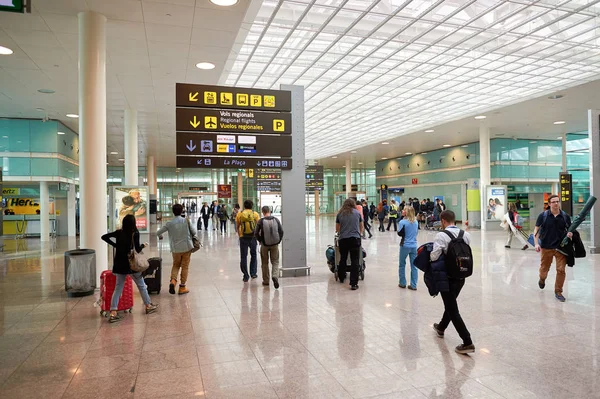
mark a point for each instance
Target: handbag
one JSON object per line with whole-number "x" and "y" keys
{"x": 137, "y": 261}
{"x": 195, "y": 240}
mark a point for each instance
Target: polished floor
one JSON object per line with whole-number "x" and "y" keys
{"x": 312, "y": 338}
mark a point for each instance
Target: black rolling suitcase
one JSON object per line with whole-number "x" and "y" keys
{"x": 153, "y": 275}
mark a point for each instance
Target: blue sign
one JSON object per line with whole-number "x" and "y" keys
{"x": 497, "y": 191}
{"x": 247, "y": 149}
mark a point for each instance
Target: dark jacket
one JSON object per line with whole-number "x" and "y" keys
{"x": 365, "y": 213}
{"x": 434, "y": 273}
{"x": 205, "y": 211}
{"x": 122, "y": 245}
{"x": 573, "y": 249}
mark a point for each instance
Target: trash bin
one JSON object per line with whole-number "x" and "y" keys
{"x": 80, "y": 272}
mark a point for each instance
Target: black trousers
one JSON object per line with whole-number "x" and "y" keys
{"x": 368, "y": 227}
{"x": 451, "y": 313}
{"x": 381, "y": 228}
{"x": 351, "y": 246}
{"x": 393, "y": 220}
{"x": 205, "y": 219}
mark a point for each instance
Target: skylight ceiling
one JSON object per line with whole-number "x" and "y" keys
{"x": 374, "y": 70}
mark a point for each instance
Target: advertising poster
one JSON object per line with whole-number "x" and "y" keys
{"x": 495, "y": 202}
{"x": 131, "y": 201}
{"x": 224, "y": 190}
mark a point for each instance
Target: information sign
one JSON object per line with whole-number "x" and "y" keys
{"x": 233, "y": 162}
{"x": 198, "y": 188}
{"x": 566, "y": 193}
{"x": 314, "y": 178}
{"x": 353, "y": 187}
{"x": 247, "y": 121}
{"x": 203, "y": 96}
{"x": 268, "y": 180}
{"x": 209, "y": 144}
{"x": 224, "y": 190}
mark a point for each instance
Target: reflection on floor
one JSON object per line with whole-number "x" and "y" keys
{"x": 311, "y": 338}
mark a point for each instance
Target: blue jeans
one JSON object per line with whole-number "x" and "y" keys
{"x": 245, "y": 243}
{"x": 139, "y": 281}
{"x": 412, "y": 254}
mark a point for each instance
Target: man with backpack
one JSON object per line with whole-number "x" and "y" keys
{"x": 246, "y": 221}
{"x": 453, "y": 243}
{"x": 269, "y": 233}
{"x": 551, "y": 226}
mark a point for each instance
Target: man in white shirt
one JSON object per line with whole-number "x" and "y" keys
{"x": 451, "y": 312}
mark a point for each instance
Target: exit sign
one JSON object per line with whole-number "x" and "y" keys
{"x": 13, "y": 5}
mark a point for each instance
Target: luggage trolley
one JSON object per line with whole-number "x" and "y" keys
{"x": 333, "y": 259}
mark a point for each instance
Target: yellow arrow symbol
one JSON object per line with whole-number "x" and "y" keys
{"x": 194, "y": 97}
{"x": 195, "y": 123}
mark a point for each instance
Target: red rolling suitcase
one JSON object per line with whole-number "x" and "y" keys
{"x": 108, "y": 281}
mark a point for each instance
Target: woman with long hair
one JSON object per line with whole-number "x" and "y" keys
{"x": 408, "y": 230}
{"x": 126, "y": 238}
{"x": 381, "y": 214}
{"x": 513, "y": 226}
{"x": 349, "y": 227}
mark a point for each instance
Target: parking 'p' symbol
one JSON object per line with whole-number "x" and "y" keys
{"x": 278, "y": 125}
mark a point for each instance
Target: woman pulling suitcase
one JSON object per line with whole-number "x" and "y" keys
{"x": 126, "y": 239}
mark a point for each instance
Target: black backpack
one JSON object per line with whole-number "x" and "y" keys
{"x": 459, "y": 258}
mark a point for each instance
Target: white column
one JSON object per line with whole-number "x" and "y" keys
{"x": 317, "y": 203}
{"x": 348, "y": 178}
{"x": 92, "y": 135}
{"x": 564, "y": 153}
{"x": 594, "y": 135}
{"x": 240, "y": 189}
{"x": 484, "y": 168}
{"x": 72, "y": 211}
{"x": 131, "y": 148}
{"x": 151, "y": 167}
{"x": 44, "y": 212}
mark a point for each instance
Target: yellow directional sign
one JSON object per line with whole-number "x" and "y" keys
{"x": 250, "y": 174}
{"x": 255, "y": 100}
{"x": 210, "y": 97}
{"x": 242, "y": 99}
{"x": 279, "y": 125}
{"x": 195, "y": 123}
{"x": 194, "y": 97}
{"x": 270, "y": 101}
{"x": 226, "y": 99}
{"x": 210, "y": 122}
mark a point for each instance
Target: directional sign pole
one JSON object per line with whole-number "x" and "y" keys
{"x": 293, "y": 194}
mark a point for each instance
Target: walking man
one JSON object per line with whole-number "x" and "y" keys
{"x": 214, "y": 213}
{"x": 393, "y": 217}
{"x": 451, "y": 312}
{"x": 269, "y": 233}
{"x": 246, "y": 221}
{"x": 551, "y": 226}
{"x": 180, "y": 232}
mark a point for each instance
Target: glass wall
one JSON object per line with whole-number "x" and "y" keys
{"x": 578, "y": 164}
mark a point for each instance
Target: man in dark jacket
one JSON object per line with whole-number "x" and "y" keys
{"x": 451, "y": 312}
{"x": 269, "y": 233}
{"x": 366, "y": 218}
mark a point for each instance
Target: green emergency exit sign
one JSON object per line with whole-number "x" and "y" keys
{"x": 12, "y": 5}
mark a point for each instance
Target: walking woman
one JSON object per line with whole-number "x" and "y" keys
{"x": 408, "y": 230}
{"x": 381, "y": 213}
{"x": 349, "y": 226}
{"x": 513, "y": 226}
{"x": 223, "y": 218}
{"x": 126, "y": 238}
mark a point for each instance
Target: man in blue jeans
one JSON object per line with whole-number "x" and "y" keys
{"x": 246, "y": 222}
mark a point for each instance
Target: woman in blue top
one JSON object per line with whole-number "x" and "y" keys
{"x": 408, "y": 229}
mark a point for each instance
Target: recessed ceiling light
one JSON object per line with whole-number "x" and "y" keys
{"x": 464, "y": 146}
{"x": 60, "y": 133}
{"x": 480, "y": 117}
{"x": 447, "y": 145}
{"x": 532, "y": 142}
{"x": 360, "y": 163}
{"x": 5, "y": 51}
{"x": 224, "y": 3}
{"x": 72, "y": 116}
{"x": 408, "y": 153}
{"x": 555, "y": 97}
{"x": 121, "y": 159}
{"x": 4, "y": 137}
{"x": 559, "y": 138}
{"x": 335, "y": 157}
{"x": 353, "y": 152}
{"x": 114, "y": 153}
{"x": 384, "y": 158}
{"x": 205, "y": 65}
{"x": 559, "y": 122}
{"x": 385, "y": 143}
{"x": 46, "y": 91}
{"x": 429, "y": 131}
{"x": 424, "y": 153}
{"x": 40, "y": 109}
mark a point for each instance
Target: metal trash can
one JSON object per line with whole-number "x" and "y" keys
{"x": 80, "y": 272}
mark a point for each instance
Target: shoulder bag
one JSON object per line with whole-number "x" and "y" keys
{"x": 137, "y": 261}
{"x": 195, "y": 240}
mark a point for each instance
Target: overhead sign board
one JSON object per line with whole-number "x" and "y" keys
{"x": 212, "y": 144}
{"x": 566, "y": 193}
{"x": 208, "y": 120}
{"x": 203, "y": 96}
{"x": 268, "y": 180}
{"x": 231, "y": 162}
{"x": 198, "y": 188}
{"x": 12, "y": 5}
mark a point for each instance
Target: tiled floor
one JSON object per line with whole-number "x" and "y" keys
{"x": 311, "y": 338}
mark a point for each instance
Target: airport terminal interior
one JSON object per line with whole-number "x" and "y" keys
{"x": 181, "y": 123}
